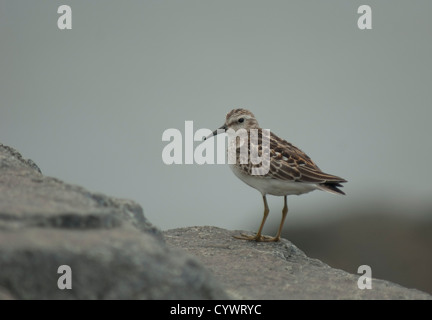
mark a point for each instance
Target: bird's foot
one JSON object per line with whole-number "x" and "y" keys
{"x": 257, "y": 238}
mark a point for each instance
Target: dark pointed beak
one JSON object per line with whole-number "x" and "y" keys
{"x": 224, "y": 127}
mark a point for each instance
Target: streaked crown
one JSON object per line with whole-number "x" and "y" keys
{"x": 241, "y": 118}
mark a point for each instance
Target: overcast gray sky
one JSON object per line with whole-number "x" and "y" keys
{"x": 89, "y": 105}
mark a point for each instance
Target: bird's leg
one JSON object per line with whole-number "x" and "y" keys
{"x": 284, "y": 214}
{"x": 258, "y": 236}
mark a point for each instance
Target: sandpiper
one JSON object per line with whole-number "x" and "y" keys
{"x": 291, "y": 171}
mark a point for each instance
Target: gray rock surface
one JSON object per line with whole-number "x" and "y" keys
{"x": 251, "y": 270}
{"x": 116, "y": 253}
{"x": 113, "y": 251}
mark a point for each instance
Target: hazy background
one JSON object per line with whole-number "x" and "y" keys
{"x": 89, "y": 106}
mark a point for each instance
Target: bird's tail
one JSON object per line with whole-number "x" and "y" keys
{"x": 332, "y": 187}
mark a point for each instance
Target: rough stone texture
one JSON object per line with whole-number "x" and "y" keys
{"x": 116, "y": 253}
{"x": 251, "y": 270}
{"x": 113, "y": 251}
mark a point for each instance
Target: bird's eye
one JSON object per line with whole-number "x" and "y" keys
{"x": 241, "y": 120}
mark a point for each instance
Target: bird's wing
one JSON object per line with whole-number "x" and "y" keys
{"x": 287, "y": 162}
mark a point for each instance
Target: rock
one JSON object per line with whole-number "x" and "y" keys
{"x": 251, "y": 270}
{"x": 114, "y": 252}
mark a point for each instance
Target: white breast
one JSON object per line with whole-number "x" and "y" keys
{"x": 273, "y": 186}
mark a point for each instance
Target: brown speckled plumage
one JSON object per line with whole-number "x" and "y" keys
{"x": 287, "y": 162}
{"x": 290, "y": 171}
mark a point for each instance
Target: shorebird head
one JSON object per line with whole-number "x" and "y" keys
{"x": 238, "y": 119}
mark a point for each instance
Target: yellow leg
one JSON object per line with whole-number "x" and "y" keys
{"x": 284, "y": 214}
{"x": 258, "y": 236}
